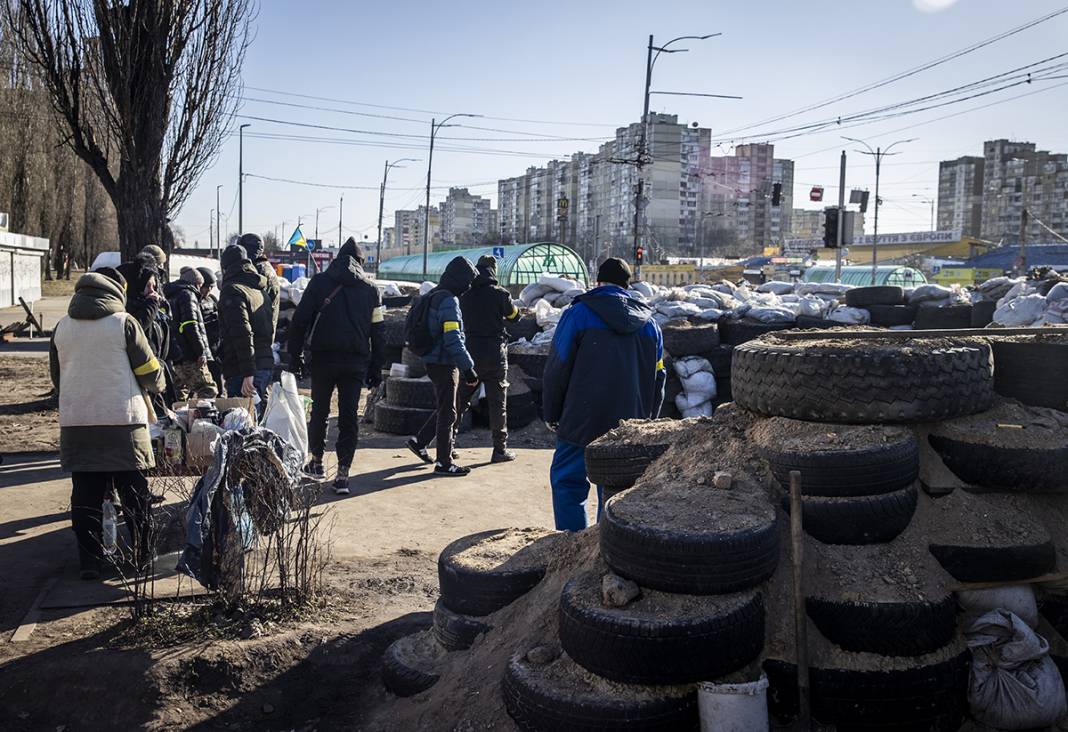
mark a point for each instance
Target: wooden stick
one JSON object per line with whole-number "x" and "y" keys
{"x": 31, "y": 317}
{"x": 800, "y": 619}
{"x": 861, "y": 335}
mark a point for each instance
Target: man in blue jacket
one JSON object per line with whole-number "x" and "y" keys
{"x": 447, "y": 363}
{"x": 606, "y": 365}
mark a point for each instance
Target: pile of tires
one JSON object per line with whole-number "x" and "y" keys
{"x": 478, "y": 575}
{"x": 1032, "y": 370}
{"x": 616, "y": 460}
{"x": 408, "y": 405}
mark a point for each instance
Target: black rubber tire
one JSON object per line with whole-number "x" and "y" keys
{"x": 393, "y": 354}
{"x": 807, "y": 322}
{"x": 523, "y": 327}
{"x": 401, "y": 679}
{"x": 414, "y": 393}
{"x": 1011, "y": 469}
{"x": 416, "y": 367}
{"x": 887, "y": 628}
{"x": 996, "y": 563}
{"x": 736, "y": 332}
{"x": 862, "y": 297}
{"x": 983, "y": 313}
{"x": 397, "y": 301}
{"x": 925, "y": 699}
{"x": 474, "y": 592}
{"x": 560, "y": 708}
{"x": 393, "y": 332}
{"x": 888, "y": 315}
{"x": 681, "y": 340}
{"x": 399, "y": 420}
{"x": 724, "y": 390}
{"x": 866, "y": 386}
{"x": 1032, "y": 372}
{"x": 841, "y": 474}
{"x": 720, "y": 358}
{"x": 454, "y": 631}
{"x": 694, "y": 564}
{"x": 620, "y": 465}
{"x": 522, "y": 412}
{"x": 861, "y": 520}
{"x": 533, "y": 364}
{"x": 951, "y": 317}
{"x": 1054, "y": 608}
{"x": 639, "y": 649}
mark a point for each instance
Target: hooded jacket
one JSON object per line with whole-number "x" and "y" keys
{"x": 245, "y": 326}
{"x": 349, "y": 329}
{"x": 253, "y": 245}
{"x": 605, "y": 365}
{"x": 99, "y": 362}
{"x": 188, "y": 320}
{"x": 443, "y": 317}
{"x": 154, "y": 323}
{"x": 485, "y": 307}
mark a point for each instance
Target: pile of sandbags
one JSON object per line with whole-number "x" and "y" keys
{"x": 1031, "y": 303}
{"x": 557, "y": 291}
{"x": 698, "y": 387}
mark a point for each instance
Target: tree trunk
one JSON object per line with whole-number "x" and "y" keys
{"x": 139, "y": 210}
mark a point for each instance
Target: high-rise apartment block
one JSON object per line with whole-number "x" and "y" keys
{"x": 466, "y": 219}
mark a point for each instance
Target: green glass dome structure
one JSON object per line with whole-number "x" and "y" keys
{"x": 860, "y": 275}
{"x": 521, "y": 264}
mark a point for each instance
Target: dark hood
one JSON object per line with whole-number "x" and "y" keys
{"x": 244, "y": 273}
{"x": 173, "y": 288}
{"x": 486, "y": 277}
{"x": 458, "y": 276}
{"x": 96, "y": 296}
{"x": 137, "y": 272}
{"x": 620, "y": 312}
{"x": 345, "y": 269}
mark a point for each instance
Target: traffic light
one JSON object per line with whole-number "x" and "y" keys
{"x": 830, "y": 227}
{"x": 864, "y": 202}
{"x": 639, "y": 255}
{"x": 776, "y": 194}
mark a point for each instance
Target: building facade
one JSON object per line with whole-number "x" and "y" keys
{"x": 808, "y": 224}
{"x": 465, "y": 219}
{"x": 737, "y": 192}
{"x": 960, "y": 195}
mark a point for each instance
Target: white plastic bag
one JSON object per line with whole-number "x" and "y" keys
{"x": 1014, "y": 684}
{"x": 237, "y": 418}
{"x": 285, "y": 413}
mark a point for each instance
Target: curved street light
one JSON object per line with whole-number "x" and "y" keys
{"x": 382, "y": 204}
{"x": 434, "y": 127}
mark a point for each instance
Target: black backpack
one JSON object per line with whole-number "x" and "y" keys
{"x": 417, "y": 333}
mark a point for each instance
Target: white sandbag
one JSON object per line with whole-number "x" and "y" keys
{"x": 390, "y": 290}
{"x": 544, "y": 338}
{"x": 700, "y": 384}
{"x": 943, "y": 302}
{"x": 1020, "y": 289}
{"x": 1058, "y": 292}
{"x": 849, "y": 316}
{"x": 425, "y": 287}
{"x": 710, "y": 314}
{"x": 812, "y": 306}
{"x": 677, "y": 310}
{"x": 553, "y": 298}
{"x": 545, "y": 314}
{"x": 777, "y": 288}
{"x": 704, "y": 302}
{"x": 296, "y": 289}
{"x": 285, "y": 413}
{"x": 1021, "y": 311}
{"x": 1017, "y": 599}
{"x": 684, "y": 402}
{"x": 557, "y": 283}
{"x": 766, "y": 314}
{"x": 701, "y": 410}
{"x": 821, "y": 288}
{"x": 237, "y": 418}
{"x": 1014, "y": 683}
{"x": 929, "y": 292}
{"x": 532, "y": 293}
{"x": 788, "y": 298}
{"x": 644, "y": 288}
{"x": 686, "y": 367}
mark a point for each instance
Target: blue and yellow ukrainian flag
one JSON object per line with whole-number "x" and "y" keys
{"x": 298, "y": 241}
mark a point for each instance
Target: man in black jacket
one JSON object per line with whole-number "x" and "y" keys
{"x": 244, "y": 327}
{"x": 253, "y": 246}
{"x": 209, "y": 308}
{"x": 485, "y": 307}
{"x": 339, "y": 322}
{"x": 191, "y": 375}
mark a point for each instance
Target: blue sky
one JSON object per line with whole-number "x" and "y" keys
{"x": 580, "y": 66}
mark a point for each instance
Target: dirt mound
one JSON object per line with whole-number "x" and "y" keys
{"x": 883, "y": 346}
{"x": 1010, "y": 424}
{"x": 700, "y": 508}
{"x": 509, "y": 549}
{"x": 968, "y": 519}
{"x": 794, "y": 435}
{"x": 645, "y": 431}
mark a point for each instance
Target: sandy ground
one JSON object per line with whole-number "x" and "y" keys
{"x": 77, "y": 673}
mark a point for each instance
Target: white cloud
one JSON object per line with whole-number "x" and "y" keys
{"x": 933, "y": 6}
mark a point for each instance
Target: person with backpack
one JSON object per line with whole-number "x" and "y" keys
{"x": 339, "y": 321}
{"x": 606, "y": 364}
{"x": 190, "y": 360}
{"x": 435, "y": 331}
{"x": 485, "y": 308}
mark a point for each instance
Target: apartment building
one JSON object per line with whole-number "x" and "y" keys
{"x": 737, "y": 192}
{"x": 808, "y": 224}
{"x": 466, "y": 219}
{"x": 960, "y": 195}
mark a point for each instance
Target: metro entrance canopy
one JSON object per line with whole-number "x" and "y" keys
{"x": 517, "y": 264}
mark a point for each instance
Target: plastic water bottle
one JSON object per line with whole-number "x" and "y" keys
{"x": 110, "y": 528}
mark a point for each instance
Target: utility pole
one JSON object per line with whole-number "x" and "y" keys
{"x": 841, "y": 219}
{"x": 434, "y": 127}
{"x": 1022, "y": 259}
{"x": 639, "y": 190}
{"x": 382, "y": 205}
{"x": 241, "y": 178}
{"x": 211, "y": 225}
{"x": 218, "y": 241}
{"x": 340, "y": 213}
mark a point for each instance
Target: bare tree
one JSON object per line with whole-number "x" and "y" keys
{"x": 146, "y": 90}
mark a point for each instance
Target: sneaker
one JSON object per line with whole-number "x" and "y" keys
{"x": 502, "y": 456}
{"x": 341, "y": 485}
{"x": 419, "y": 452}
{"x": 452, "y": 469}
{"x": 314, "y": 469}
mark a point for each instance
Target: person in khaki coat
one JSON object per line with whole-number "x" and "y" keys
{"x": 102, "y": 365}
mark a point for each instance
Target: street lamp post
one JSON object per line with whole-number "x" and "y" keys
{"x": 931, "y": 203}
{"x": 382, "y": 205}
{"x": 241, "y": 178}
{"x": 218, "y": 241}
{"x": 340, "y": 215}
{"x": 213, "y": 223}
{"x": 434, "y": 127}
{"x": 878, "y": 153}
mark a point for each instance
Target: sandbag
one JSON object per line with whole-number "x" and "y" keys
{"x": 1014, "y": 683}
{"x": 557, "y": 283}
{"x": 700, "y": 384}
{"x": 545, "y": 314}
{"x": 1058, "y": 292}
{"x": 767, "y": 314}
{"x": 1021, "y": 311}
{"x": 705, "y": 409}
{"x": 777, "y": 288}
{"x": 677, "y": 310}
{"x": 569, "y": 297}
{"x": 685, "y": 402}
{"x": 1017, "y": 599}
{"x": 812, "y": 306}
{"x": 710, "y": 314}
{"x": 532, "y": 293}
{"x": 929, "y": 292}
{"x": 850, "y": 316}
{"x": 644, "y": 288}
{"x": 687, "y": 367}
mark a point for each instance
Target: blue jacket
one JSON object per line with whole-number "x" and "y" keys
{"x": 606, "y": 365}
{"x": 444, "y": 320}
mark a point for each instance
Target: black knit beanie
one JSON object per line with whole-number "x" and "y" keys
{"x": 232, "y": 255}
{"x": 614, "y": 271}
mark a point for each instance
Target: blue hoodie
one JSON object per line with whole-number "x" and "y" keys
{"x": 606, "y": 365}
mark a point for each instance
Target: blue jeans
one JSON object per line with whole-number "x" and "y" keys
{"x": 570, "y": 487}
{"x": 261, "y": 379}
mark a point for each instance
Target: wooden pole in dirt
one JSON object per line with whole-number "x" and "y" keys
{"x": 800, "y": 620}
